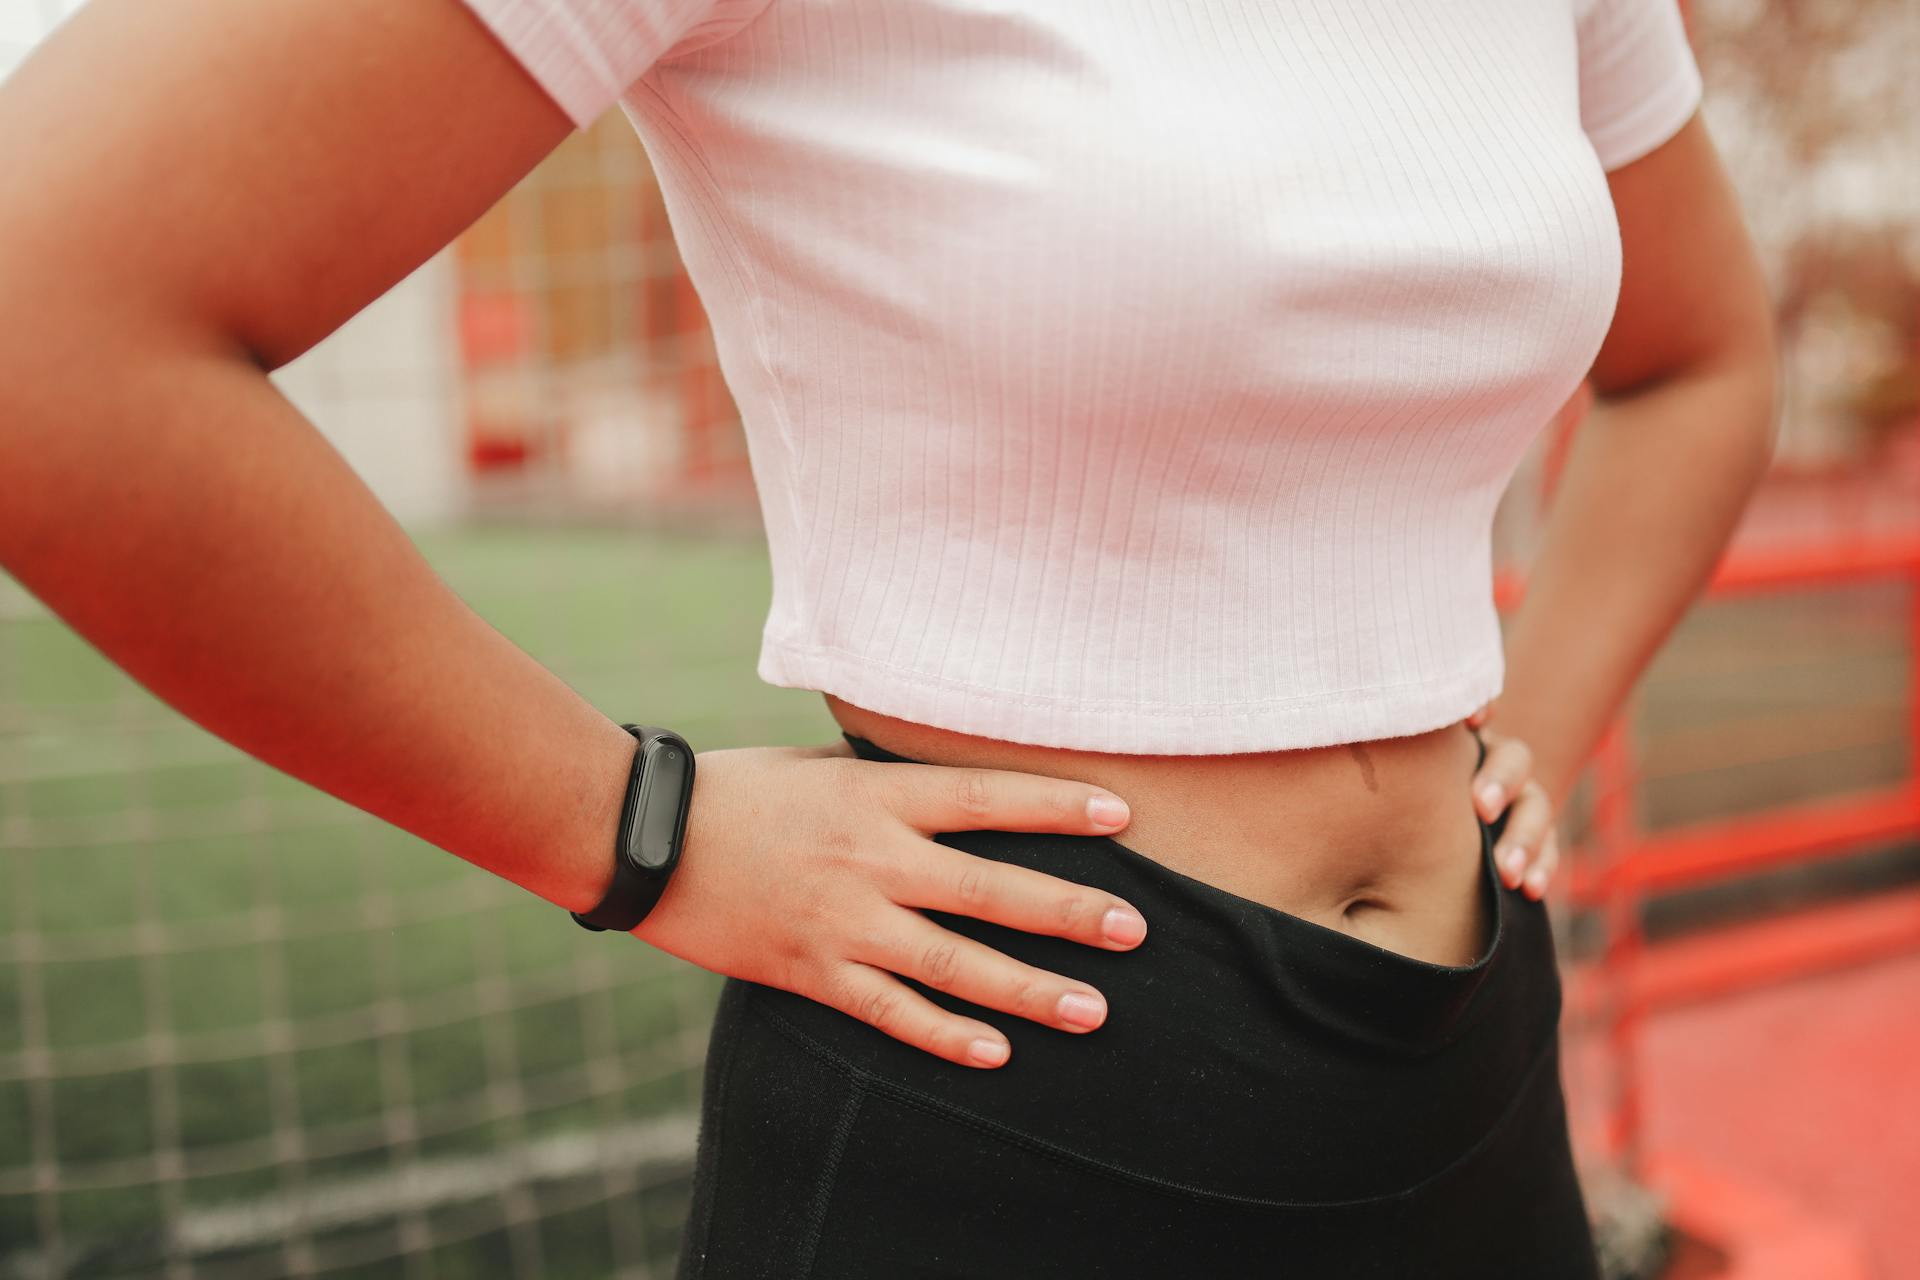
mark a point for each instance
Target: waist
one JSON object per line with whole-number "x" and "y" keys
{"x": 1377, "y": 838}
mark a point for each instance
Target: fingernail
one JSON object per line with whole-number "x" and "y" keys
{"x": 1123, "y": 926}
{"x": 1491, "y": 795}
{"x": 988, "y": 1053}
{"x": 1516, "y": 861}
{"x": 1081, "y": 1010}
{"x": 1107, "y": 811}
{"x": 1537, "y": 882}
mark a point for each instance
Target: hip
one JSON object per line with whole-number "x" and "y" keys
{"x": 1264, "y": 1088}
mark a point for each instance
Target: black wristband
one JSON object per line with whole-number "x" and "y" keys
{"x": 653, "y": 824}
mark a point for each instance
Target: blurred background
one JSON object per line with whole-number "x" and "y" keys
{"x": 246, "y": 1030}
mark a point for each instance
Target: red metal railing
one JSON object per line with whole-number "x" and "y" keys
{"x": 1617, "y": 865}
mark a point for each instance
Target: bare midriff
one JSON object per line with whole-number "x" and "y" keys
{"x": 1377, "y": 839}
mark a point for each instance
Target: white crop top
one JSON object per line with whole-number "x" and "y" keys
{"x": 1136, "y": 375}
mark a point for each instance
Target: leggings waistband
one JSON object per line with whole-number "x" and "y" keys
{"x": 1365, "y": 993}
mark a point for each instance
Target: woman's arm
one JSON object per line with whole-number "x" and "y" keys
{"x": 195, "y": 192}
{"x": 1657, "y": 477}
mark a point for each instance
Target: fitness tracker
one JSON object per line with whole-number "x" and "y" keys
{"x": 653, "y": 823}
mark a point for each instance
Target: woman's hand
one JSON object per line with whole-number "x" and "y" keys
{"x": 1528, "y": 851}
{"x": 804, "y": 866}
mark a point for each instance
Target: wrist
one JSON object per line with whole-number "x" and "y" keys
{"x": 651, "y": 830}
{"x": 580, "y": 862}
{"x": 1554, "y": 767}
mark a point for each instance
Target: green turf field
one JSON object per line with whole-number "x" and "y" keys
{"x": 226, "y": 997}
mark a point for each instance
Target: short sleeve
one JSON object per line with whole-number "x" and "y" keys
{"x": 1639, "y": 82}
{"x": 587, "y": 53}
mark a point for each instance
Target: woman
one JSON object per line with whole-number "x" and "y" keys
{"x": 1129, "y": 387}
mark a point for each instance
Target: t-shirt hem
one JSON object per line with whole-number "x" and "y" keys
{"x": 1655, "y": 119}
{"x": 1319, "y": 719}
{"x": 561, "y": 58}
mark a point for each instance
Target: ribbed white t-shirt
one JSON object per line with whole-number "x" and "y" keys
{"x": 1136, "y": 375}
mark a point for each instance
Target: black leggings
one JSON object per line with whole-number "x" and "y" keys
{"x": 1268, "y": 1097}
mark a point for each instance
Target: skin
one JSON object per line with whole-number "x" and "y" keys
{"x": 1396, "y": 863}
{"x": 199, "y": 191}
{"x": 1681, "y": 431}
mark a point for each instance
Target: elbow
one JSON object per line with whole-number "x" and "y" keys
{"x": 1741, "y": 423}
{"x": 1746, "y": 362}
{"x": 1739, "y": 381}
{"x": 1755, "y": 420}
{"x": 1730, "y": 391}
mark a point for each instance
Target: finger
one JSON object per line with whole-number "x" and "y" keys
{"x": 967, "y": 968}
{"x": 934, "y": 797}
{"x": 1508, "y": 765}
{"x": 1481, "y": 716}
{"x": 1544, "y": 866}
{"x": 1529, "y": 822}
{"x": 944, "y": 879}
{"x": 883, "y": 1001}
